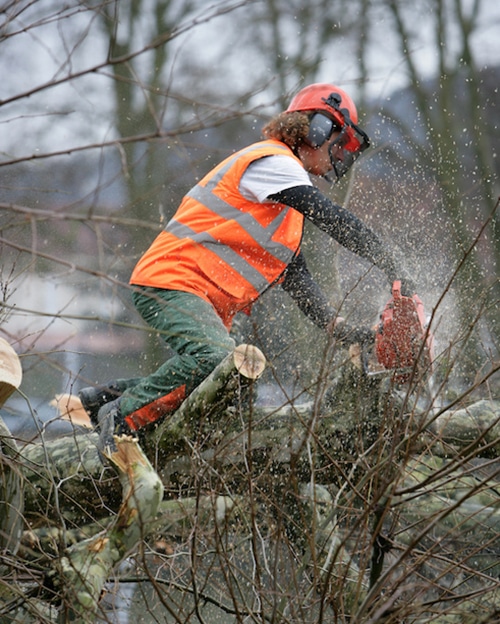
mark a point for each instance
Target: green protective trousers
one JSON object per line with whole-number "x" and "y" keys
{"x": 192, "y": 328}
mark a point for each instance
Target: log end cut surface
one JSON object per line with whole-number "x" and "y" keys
{"x": 249, "y": 361}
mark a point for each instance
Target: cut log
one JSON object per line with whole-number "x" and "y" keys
{"x": 81, "y": 574}
{"x": 69, "y": 407}
{"x": 276, "y": 436}
{"x": 11, "y": 493}
{"x": 73, "y": 461}
{"x": 249, "y": 361}
{"x": 219, "y": 390}
{"x": 478, "y": 423}
{"x": 11, "y": 373}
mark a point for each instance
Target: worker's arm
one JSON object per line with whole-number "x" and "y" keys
{"x": 310, "y": 299}
{"x": 307, "y": 294}
{"x": 344, "y": 227}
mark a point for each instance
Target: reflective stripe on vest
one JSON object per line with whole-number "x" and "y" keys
{"x": 260, "y": 234}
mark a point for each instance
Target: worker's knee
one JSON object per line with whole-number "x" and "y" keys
{"x": 209, "y": 356}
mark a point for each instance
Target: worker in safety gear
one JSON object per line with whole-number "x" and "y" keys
{"x": 237, "y": 233}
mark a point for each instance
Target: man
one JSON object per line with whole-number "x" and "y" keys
{"x": 235, "y": 234}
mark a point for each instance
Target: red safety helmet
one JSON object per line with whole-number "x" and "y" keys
{"x": 316, "y": 96}
{"x": 332, "y": 109}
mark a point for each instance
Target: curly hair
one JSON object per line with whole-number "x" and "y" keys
{"x": 290, "y": 128}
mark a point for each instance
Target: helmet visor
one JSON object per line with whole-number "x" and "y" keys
{"x": 345, "y": 149}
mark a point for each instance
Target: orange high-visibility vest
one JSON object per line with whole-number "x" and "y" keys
{"x": 221, "y": 246}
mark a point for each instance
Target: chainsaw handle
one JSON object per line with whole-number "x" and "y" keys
{"x": 396, "y": 290}
{"x": 348, "y": 335}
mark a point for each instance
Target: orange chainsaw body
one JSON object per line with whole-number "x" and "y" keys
{"x": 403, "y": 343}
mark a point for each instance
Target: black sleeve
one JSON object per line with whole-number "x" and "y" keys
{"x": 306, "y": 293}
{"x": 309, "y": 297}
{"x": 342, "y": 226}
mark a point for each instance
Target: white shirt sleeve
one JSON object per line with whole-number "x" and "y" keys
{"x": 270, "y": 175}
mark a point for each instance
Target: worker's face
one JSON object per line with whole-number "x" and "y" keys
{"x": 316, "y": 160}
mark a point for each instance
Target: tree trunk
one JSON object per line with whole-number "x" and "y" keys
{"x": 11, "y": 483}
{"x": 347, "y": 425}
{"x": 11, "y": 493}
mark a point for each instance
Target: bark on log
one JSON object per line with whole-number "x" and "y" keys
{"x": 477, "y": 425}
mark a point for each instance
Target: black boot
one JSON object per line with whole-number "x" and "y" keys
{"x": 94, "y": 397}
{"x": 111, "y": 423}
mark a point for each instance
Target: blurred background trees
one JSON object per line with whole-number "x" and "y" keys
{"x": 111, "y": 110}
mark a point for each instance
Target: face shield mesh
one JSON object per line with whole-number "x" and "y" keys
{"x": 345, "y": 150}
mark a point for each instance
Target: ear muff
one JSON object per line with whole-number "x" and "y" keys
{"x": 321, "y": 129}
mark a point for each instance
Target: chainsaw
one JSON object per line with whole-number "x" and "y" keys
{"x": 403, "y": 343}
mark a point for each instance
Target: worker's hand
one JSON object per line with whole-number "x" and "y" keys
{"x": 111, "y": 424}
{"x": 348, "y": 335}
{"x": 336, "y": 320}
{"x": 408, "y": 287}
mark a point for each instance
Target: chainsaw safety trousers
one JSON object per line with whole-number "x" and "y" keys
{"x": 222, "y": 246}
{"x": 192, "y": 328}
